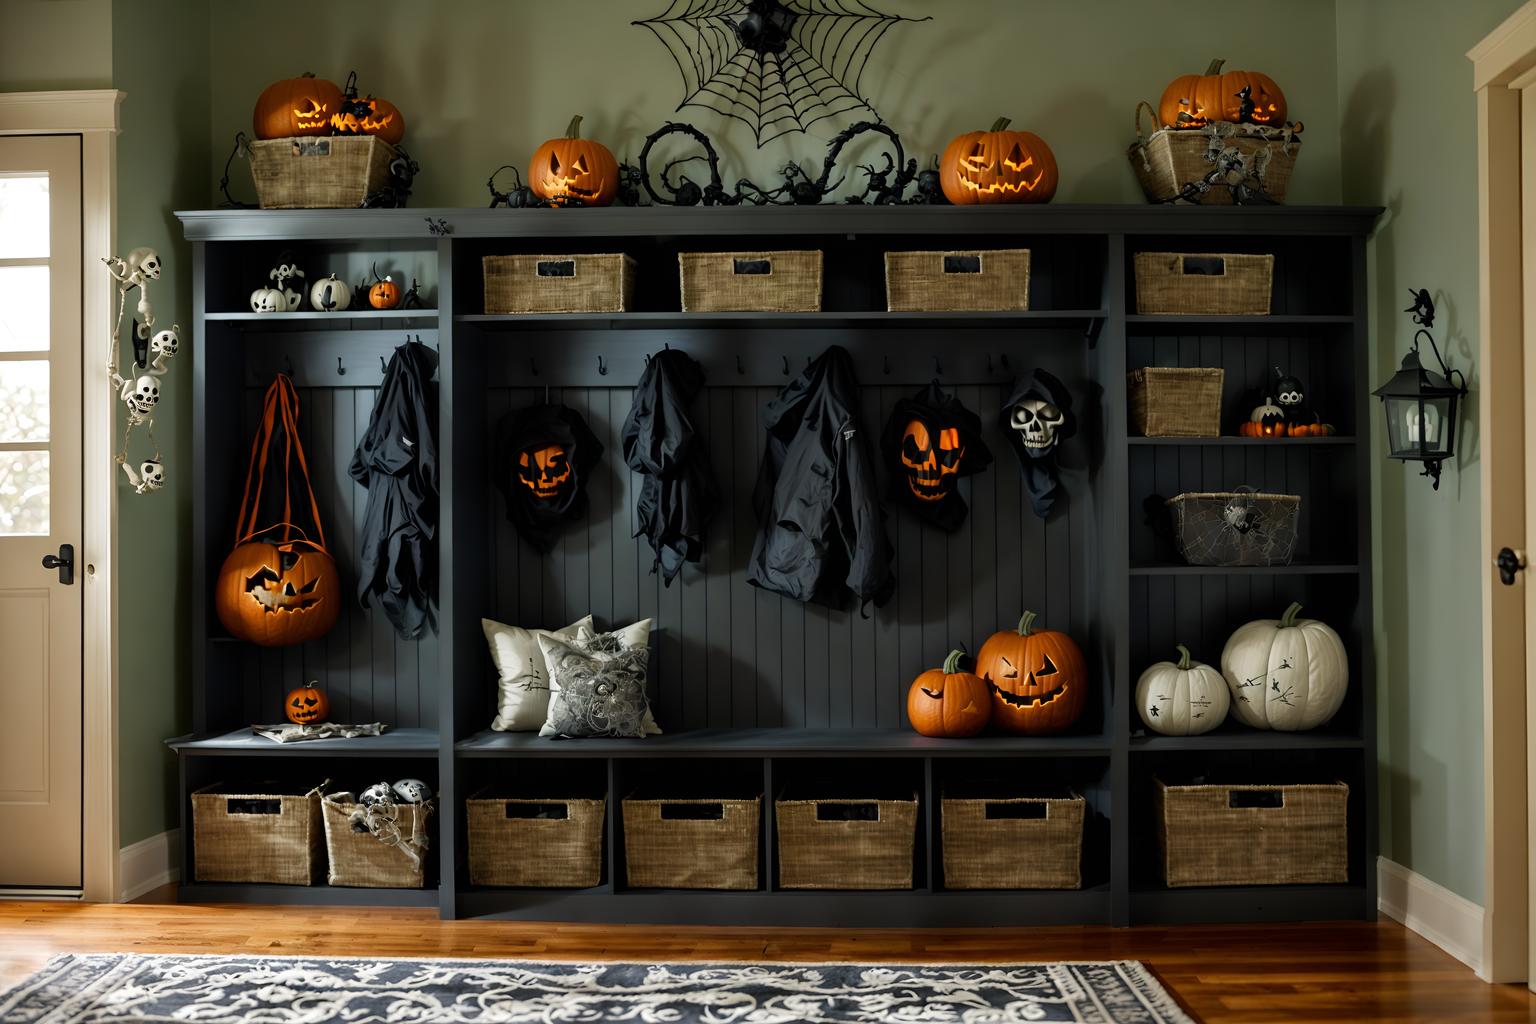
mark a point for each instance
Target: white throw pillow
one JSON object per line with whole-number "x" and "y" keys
{"x": 636, "y": 634}
{"x": 523, "y": 678}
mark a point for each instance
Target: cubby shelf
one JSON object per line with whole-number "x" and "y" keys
{"x": 748, "y": 685}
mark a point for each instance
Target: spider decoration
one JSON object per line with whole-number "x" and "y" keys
{"x": 778, "y": 66}
{"x": 140, "y": 392}
{"x": 1241, "y": 174}
{"x": 397, "y": 189}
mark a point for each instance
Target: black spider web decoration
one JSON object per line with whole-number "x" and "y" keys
{"x": 778, "y": 66}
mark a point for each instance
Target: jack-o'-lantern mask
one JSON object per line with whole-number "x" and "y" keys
{"x": 545, "y": 471}
{"x": 998, "y": 166}
{"x": 932, "y": 462}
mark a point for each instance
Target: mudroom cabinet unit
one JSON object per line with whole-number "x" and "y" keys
{"x": 757, "y": 694}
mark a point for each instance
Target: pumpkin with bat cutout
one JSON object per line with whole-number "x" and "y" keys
{"x": 306, "y": 705}
{"x": 296, "y": 106}
{"x": 932, "y": 464}
{"x": 574, "y": 171}
{"x": 948, "y": 702}
{"x": 545, "y": 471}
{"x": 278, "y": 594}
{"x": 998, "y": 166}
{"x": 1038, "y": 678}
{"x": 1194, "y": 101}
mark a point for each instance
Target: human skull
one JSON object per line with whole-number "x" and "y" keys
{"x": 151, "y": 476}
{"x": 412, "y": 791}
{"x": 145, "y": 261}
{"x": 165, "y": 344}
{"x": 376, "y": 794}
{"x": 1037, "y": 422}
{"x": 145, "y": 393}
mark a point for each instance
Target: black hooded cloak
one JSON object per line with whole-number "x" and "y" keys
{"x": 1038, "y": 463}
{"x": 544, "y": 456}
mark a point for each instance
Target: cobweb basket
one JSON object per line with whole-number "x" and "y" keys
{"x": 1233, "y": 528}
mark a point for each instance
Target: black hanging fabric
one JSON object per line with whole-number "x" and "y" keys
{"x": 930, "y": 441}
{"x": 545, "y": 454}
{"x": 678, "y": 494}
{"x": 822, "y": 530}
{"x": 1037, "y": 417}
{"x": 397, "y": 461}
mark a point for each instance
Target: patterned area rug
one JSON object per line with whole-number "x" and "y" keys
{"x": 90, "y": 989}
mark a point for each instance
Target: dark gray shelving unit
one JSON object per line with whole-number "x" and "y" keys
{"x": 749, "y": 686}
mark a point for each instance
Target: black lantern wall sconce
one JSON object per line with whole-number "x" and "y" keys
{"x": 1421, "y": 405}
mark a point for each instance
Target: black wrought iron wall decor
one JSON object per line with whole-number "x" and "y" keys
{"x": 1421, "y": 406}
{"x": 777, "y": 66}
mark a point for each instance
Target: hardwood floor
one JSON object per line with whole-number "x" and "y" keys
{"x": 1312, "y": 972}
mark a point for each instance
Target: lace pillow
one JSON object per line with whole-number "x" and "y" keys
{"x": 593, "y": 692}
{"x": 637, "y": 634}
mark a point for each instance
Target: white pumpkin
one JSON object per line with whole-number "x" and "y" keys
{"x": 1289, "y": 674}
{"x": 1184, "y": 699}
{"x": 330, "y": 294}
{"x": 269, "y": 300}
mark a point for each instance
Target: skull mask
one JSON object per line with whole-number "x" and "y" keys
{"x": 1037, "y": 422}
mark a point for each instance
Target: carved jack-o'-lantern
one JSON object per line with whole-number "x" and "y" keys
{"x": 367, "y": 115}
{"x": 278, "y": 594}
{"x": 574, "y": 171}
{"x": 998, "y": 166}
{"x": 932, "y": 464}
{"x": 1039, "y": 679}
{"x": 545, "y": 471}
{"x": 306, "y": 705}
{"x": 948, "y": 702}
{"x": 296, "y": 106}
{"x": 1193, "y": 101}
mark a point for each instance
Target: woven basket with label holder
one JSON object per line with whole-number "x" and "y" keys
{"x": 1215, "y": 164}
{"x": 338, "y": 172}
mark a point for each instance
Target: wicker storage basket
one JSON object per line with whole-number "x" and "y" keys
{"x": 1169, "y": 401}
{"x": 257, "y": 834}
{"x": 1236, "y": 527}
{"x": 846, "y": 844}
{"x": 756, "y": 282}
{"x": 691, "y": 844}
{"x": 1203, "y": 282}
{"x": 578, "y": 283}
{"x": 984, "y": 279}
{"x": 1013, "y": 843}
{"x": 316, "y": 174}
{"x": 1253, "y": 835}
{"x": 535, "y": 843}
{"x": 363, "y": 860}
{"x": 1173, "y": 165}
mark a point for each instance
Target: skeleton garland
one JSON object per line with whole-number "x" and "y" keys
{"x": 152, "y": 353}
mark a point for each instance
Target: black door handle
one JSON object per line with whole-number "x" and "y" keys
{"x": 64, "y": 561}
{"x": 1509, "y": 562}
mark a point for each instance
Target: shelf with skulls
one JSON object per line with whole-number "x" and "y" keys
{"x": 152, "y": 352}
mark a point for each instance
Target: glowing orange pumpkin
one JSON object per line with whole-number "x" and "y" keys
{"x": 306, "y": 705}
{"x": 574, "y": 171}
{"x": 296, "y": 106}
{"x": 1193, "y": 101}
{"x": 998, "y": 166}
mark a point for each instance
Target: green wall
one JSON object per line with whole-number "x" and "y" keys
{"x": 55, "y": 44}
{"x": 1410, "y": 144}
{"x": 484, "y": 86}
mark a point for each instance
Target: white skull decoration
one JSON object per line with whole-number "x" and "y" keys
{"x": 145, "y": 262}
{"x": 151, "y": 477}
{"x": 141, "y": 394}
{"x": 412, "y": 791}
{"x": 162, "y": 347}
{"x": 1037, "y": 422}
{"x": 376, "y": 794}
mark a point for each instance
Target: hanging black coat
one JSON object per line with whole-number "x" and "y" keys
{"x": 929, "y": 443}
{"x": 1035, "y": 432}
{"x": 544, "y": 456}
{"x": 821, "y": 526}
{"x": 397, "y": 461}
{"x": 678, "y": 495}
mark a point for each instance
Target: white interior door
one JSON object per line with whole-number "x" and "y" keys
{"x": 40, "y": 512}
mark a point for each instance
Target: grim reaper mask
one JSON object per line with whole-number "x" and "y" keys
{"x": 1037, "y": 417}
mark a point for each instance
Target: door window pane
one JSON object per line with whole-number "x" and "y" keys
{"x": 24, "y": 400}
{"x": 24, "y": 300}
{"x": 23, "y": 493}
{"x": 23, "y": 216}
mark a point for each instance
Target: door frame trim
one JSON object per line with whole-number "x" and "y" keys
{"x": 92, "y": 114}
{"x": 1507, "y": 289}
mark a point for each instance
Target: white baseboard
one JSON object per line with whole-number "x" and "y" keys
{"x": 149, "y": 864}
{"x": 1452, "y": 922}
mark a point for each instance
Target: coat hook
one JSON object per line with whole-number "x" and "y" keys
{"x": 602, "y": 369}
{"x": 740, "y": 369}
{"x": 546, "y": 394}
{"x": 885, "y": 364}
{"x": 341, "y": 371}
{"x": 938, "y": 368}
{"x": 288, "y": 364}
{"x": 382, "y": 367}
{"x": 1005, "y": 360}
{"x": 786, "y": 365}
{"x": 989, "y": 364}
{"x": 533, "y": 366}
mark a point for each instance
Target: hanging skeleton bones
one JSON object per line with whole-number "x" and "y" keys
{"x": 152, "y": 352}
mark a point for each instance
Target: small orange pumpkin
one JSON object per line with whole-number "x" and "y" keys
{"x": 1194, "y": 101}
{"x": 306, "y": 705}
{"x": 574, "y": 171}
{"x": 296, "y": 106}
{"x": 948, "y": 702}
{"x": 998, "y": 166}
{"x": 384, "y": 294}
{"x": 1039, "y": 680}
